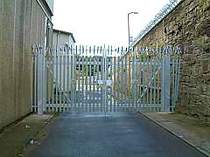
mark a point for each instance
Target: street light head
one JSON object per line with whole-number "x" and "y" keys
{"x": 129, "y": 40}
{"x": 133, "y": 12}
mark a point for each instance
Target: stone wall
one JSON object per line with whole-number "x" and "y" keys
{"x": 188, "y": 26}
{"x": 22, "y": 24}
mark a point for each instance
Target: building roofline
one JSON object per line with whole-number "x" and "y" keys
{"x": 65, "y": 32}
{"x": 47, "y": 7}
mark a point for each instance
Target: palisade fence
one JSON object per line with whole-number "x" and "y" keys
{"x": 105, "y": 79}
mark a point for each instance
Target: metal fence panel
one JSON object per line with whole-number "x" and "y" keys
{"x": 106, "y": 79}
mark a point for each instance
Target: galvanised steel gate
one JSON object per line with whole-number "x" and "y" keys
{"x": 105, "y": 79}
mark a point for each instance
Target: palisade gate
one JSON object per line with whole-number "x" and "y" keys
{"x": 105, "y": 79}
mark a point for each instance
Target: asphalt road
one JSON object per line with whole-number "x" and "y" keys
{"x": 117, "y": 135}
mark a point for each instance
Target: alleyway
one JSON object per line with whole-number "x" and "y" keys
{"x": 117, "y": 135}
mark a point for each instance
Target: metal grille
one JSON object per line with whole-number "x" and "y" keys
{"x": 105, "y": 79}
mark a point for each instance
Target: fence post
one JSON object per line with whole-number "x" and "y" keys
{"x": 40, "y": 81}
{"x": 165, "y": 83}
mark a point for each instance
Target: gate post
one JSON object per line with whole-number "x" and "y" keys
{"x": 41, "y": 79}
{"x": 133, "y": 78}
{"x": 104, "y": 77}
{"x": 165, "y": 83}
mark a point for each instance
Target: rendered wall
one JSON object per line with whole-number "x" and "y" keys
{"x": 22, "y": 24}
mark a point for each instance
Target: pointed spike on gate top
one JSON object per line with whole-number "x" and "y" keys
{"x": 78, "y": 47}
{"x": 81, "y": 50}
{"x": 97, "y": 51}
{"x": 104, "y": 49}
{"x": 118, "y": 51}
{"x": 111, "y": 50}
{"x": 126, "y": 49}
{"x": 107, "y": 51}
{"x": 70, "y": 49}
{"x": 64, "y": 49}
{"x": 61, "y": 50}
{"x": 76, "y": 50}
{"x": 94, "y": 49}
{"x": 89, "y": 51}
{"x": 73, "y": 49}
{"x": 67, "y": 51}
{"x": 86, "y": 50}
{"x": 121, "y": 51}
{"x": 101, "y": 51}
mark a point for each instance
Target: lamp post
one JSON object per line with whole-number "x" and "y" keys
{"x": 129, "y": 41}
{"x": 129, "y": 26}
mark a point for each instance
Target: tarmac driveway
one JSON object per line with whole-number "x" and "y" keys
{"x": 116, "y": 135}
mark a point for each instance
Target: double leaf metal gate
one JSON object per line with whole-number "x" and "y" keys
{"x": 105, "y": 79}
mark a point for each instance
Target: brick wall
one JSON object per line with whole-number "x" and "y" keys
{"x": 188, "y": 26}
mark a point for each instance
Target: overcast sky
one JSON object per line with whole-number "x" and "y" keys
{"x": 98, "y": 22}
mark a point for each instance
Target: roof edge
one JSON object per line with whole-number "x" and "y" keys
{"x": 65, "y": 32}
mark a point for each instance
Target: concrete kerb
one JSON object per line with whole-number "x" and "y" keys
{"x": 173, "y": 133}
